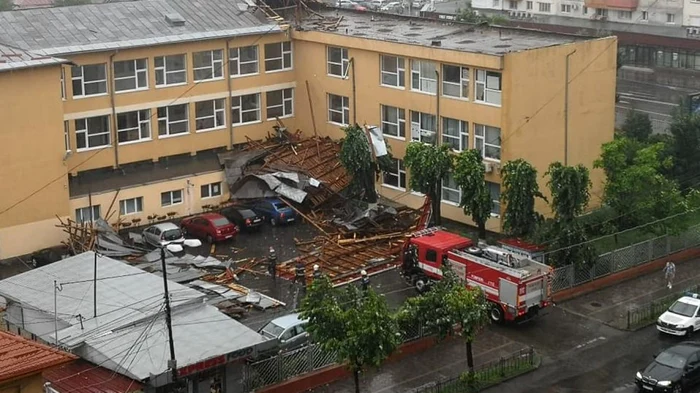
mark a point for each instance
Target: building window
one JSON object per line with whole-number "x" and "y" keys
{"x": 130, "y": 206}
{"x": 423, "y": 77}
{"x": 487, "y": 140}
{"x": 211, "y": 190}
{"x": 565, "y": 8}
{"x": 545, "y": 7}
{"x": 455, "y": 133}
{"x": 338, "y": 109}
{"x": 210, "y": 115}
{"x": 670, "y": 18}
{"x": 495, "y": 192}
{"x": 393, "y": 71}
{"x": 280, "y": 103}
{"x": 89, "y": 80}
{"x": 645, "y": 15}
{"x": 488, "y": 87}
{"x": 601, "y": 12}
{"x": 131, "y": 75}
{"x": 337, "y": 61}
{"x": 243, "y": 60}
{"x": 584, "y": 10}
{"x": 455, "y": 81}
{"x": 513, "y": 5}
{"x": 92, "y": 132}
{"x": 624, "y": 14}
{"x": 63, "y": 83}
{"x": 396, "y": 176}
{"x": 528, "y": 5}
{"x": 66, "y": 135}
{"x": 245, "y": 109}
{"x": 393, "y": 121}
{"x": 85, "y": 214}
{"x": 170, "y": 198}
{"x": 278, "y": 56}
{"x": 170, "y": 70}
{"x": 423, "y": 127}
{"x": 496, "y": 3}
{"x": 173, "y": 120}
{"x": 450, "y": 191}
{"x": 208, "y": 65}
{"x": 134, "y": 126}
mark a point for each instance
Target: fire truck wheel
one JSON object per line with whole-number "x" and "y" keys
{"x": 496, "y": 313}
{"x": 420, "y": 284}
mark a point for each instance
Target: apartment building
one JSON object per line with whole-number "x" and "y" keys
{"x": 134, "y": 100}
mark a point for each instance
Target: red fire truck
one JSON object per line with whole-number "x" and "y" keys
{"x": 517, "y": 286}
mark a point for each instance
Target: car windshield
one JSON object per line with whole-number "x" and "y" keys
{"x": 172, "y": 234}
{"x": 220, "y": 222}
{"x": 247, "y": 213}
{"x": 279, "y": 205}
{"x": 670, "y": 359}
{"x": 684, "y": 309}
{"x": 272, "y": 331}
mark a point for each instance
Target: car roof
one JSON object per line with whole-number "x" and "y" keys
{"x": 685, "y": 348}
{"x": 246, "y": 212}
{"x": 165, "y": 226}
{"x": 287, "y": 321}
{"x": 209, "y": 216}
{"x": 689, "y": 300}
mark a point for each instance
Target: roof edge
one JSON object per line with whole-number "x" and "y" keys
{"x": 23, "y": 65}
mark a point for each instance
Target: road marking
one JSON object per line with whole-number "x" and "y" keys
{"x": 589, "y": 342}
{"x": 632, "y": 97}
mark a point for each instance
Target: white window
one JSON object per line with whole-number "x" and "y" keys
{"x": 495, "y": 192}
{"x": 210, "y": 115}
{"x": 243, "y": 60}
{"x": 423, "y": 127}
{"x": 337, "y": 61}
{"x": 131, "y": 75}
{"x": 211, "y": 190}
{"x": 450, "y": 191}
{"x": 245, "y": 109}
{"x": 278, "y": 56}
{"x": 396, "y": 176}
{"x": 645, "y": 15}
{"x": 63, "y": 83}
{"x": 134, "y": 126}
{"x": 670, "y": 18}
{"x": 338, "y": 109}
{"x": 66, "y": 135}
{"x": 89, "y": 80}
{"x": 393, "y": 121}
{"x": 423, "y": 76}
{"x": 393, "y": 71}
{"x": 170, "y": 70}
{"x": 566, "y": 8}
{"x": 488, "y": 87}
{"x": 624, "y": 14}
{"x": 85, "y": 214}
{"x": 208, "y": 65}
{"x": 170, "y": 198}
{"x": 545, "y": 7}
{"x": 92, "y": 132}
{"x": 487, "y": 140}
{"x": 130, "y": 206}
{"x": 280, "y": 103}
{"x": 455, "y": 133}
{"x": 528, "y": 5}
{"x": 455, "y": 81}
{"x": 173, "y": 120}
{"x": 513, "y": 5}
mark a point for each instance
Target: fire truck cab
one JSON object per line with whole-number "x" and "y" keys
{"x": 517, "y": 287}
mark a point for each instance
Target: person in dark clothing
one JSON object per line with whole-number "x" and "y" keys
{"x": 272, "y": 264}
{"x": 317, "y": 272}
{"x": 364, "y": 281}
{"x": 300, "y": 272}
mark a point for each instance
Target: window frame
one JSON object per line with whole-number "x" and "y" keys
{"x": 529, "y": 5}
{"x": 137, "y": 206}
{"x": 63, "y": 83}
{"x": 400, "y": 175}
{"x": 96, "y": 215}
{"x": 446, "y": 186}
{"x": 210, "y": 187}
{"x": 83, "y": 83}
{"x": 399, "y": 74}
{"x": 241, "y": 111}
{"x": 166, "y": 72}
{"x": 85, "y": 130}
{"x": 546, "y": 5}
{"x": 423, "y": 79}
{"x": 495, "y": 203}
{"x": 481, "y": 139}
{"x": 236, "y": 60}
{"x": 400, "y": 122}
{"x": 66, "y": 135}
{"x": 143, "y": 117}
{"x": 282, "y": 105}
{"x": 565, "y": 8}
{"x": 344, "y": 110}
{"x": 143, "y": 72}
{"x": 215, "y": 66}
{"x": 168, "y": 123}
{"x": 484, "y": 84}
{"x": 344, "y": 61}
{"x": 462, "y": 136}
{"x": 462, "y": 85}
{"x": 670, "y": 19}
{"x": 218, "y": 106}
{"x": 282, "y": 57}
{"x": 170, "y": 195}
{"x": 419, "y": 124}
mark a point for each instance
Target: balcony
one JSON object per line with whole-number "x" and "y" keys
{"x": 624, "y": 5}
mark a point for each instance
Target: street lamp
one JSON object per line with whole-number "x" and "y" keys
{"x": 173, "y": 247}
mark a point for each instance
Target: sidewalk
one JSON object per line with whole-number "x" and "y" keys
{"x": 446, "y": 360}
{"x": 610, "y": 305}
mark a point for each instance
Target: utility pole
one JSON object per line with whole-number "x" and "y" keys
{"x": 55, "y": 312}
{"x": 168, "y": 317}
{"x": 566, "y": 110}
{"x": 94, "y": 233}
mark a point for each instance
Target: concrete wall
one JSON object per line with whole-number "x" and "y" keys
{"x": 31, "y": 384}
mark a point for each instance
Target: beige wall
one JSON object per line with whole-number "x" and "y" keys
{"x": 31, "y": 384}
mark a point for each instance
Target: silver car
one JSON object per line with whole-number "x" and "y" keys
{"x": 162, "y": 234}
{"x": 288, "y": 330}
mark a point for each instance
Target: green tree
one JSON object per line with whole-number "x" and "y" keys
{"x": 357, "y": 325}
{"x": 637, "y": 126}
{"x": 6, "y": 5}
{"x": 65, "y": 3}
{"x": 469, "y": 176}
{"x": 468, "y": 15}
{"x": 684, "y": 147}
{"x": 428, "y": 165}
{"x": 357, "y": 158}
{"x": 569, "y": 186}
{"x": 519, "y": 181}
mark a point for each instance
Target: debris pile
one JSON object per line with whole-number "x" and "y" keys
{"x": 98, "y": 236}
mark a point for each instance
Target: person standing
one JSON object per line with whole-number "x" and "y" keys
{"x": 272, "y": 264}
{"x": 317, "y": 272}
{"x": 300, "y": 272}
{"x": 364, "y": 281}
{"x": 670, "y": 273}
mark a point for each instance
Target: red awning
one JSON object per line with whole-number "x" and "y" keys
{"x": 83, "y": 377}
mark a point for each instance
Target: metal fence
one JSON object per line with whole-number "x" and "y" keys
{"x": 648, "y": 313}
{"x": 624, "y": 258}
{"x": 485, "y": 375}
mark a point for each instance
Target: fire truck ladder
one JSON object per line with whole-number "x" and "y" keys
{"x": 426, "y": 231}
{"x": 516, "y": 272}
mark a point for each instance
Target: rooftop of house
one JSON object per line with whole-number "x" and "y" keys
{"x": 109, "y": 26}
{"x": 83, "y": 377}
{"x": 14, "y": 59}
{"x": 425, "y": 32}
{"x": 20, "y": 357}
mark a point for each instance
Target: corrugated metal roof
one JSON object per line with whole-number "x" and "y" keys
{"x": 15, "y": 59}
{"x": 20, "y": 357}
{"x": 84, "y": 377}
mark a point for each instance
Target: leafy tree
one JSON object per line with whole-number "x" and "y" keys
{"x": 6, "y": 5}
{"x": 468, "y": 15}
{"x": 569, "y": 245}
{"x": 520, "y": 190}
{"x": 684, "y": 147}
{"x": 356, "y": 156}
{"x": 65, "y": 3}
{"x": 569, "y": 186}
{"x": 637, "y": 126}
{"x": 476, "y": 200}
{"x": 428, "y": 165}
{"x": 355, "y": 324}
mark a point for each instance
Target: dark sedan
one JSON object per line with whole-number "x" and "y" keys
{"x": 672, "y": 371}
{"x": 243, "y": 217}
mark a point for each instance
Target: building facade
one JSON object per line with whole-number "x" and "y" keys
{"x": 131, "y": 127}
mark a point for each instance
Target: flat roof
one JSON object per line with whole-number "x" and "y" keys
{"x": 452, "y": 35}
{"x": 109, "y": 26}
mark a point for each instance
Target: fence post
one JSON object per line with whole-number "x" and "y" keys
{"x": 668, "y": 244}
{"x": 572, "y": 276}
{"x": 278, "y": 378}
{"x": 650, "y": 249}
{"x": 628, "y": 318}
{"x": 310, "y": 355}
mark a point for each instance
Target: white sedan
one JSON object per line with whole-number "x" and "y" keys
{"x": 682, "y": 318}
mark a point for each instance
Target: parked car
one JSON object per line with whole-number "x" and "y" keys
{"x": 45, "y": 257}
{"x": 389, "y": 7}
{"x": 350, "y": 5}
{"x": 162, "y": 234}
{"x": 274, "y": 211}
{"x": 672, "y": 371}
{"x": 212, "y": 227}
{"x": 682, "y": 318}
{"x": 288, "y": 330}
{"x": 244, "y": 218}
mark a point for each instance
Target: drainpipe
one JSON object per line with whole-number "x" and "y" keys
{"x": 438, "y": 129}
{"x": 229, "y": 98}
{"x": 354, "y": 92}
{"x": 113, "y": 122}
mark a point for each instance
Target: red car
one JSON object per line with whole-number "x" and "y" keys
{"x": 212, "y": 227}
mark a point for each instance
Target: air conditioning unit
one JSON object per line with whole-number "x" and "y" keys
{"x": 696, "y": 31}
{"x": 488, "y": 167}
{"x": 690, "y": 30}
{"x": 529, "y": 15}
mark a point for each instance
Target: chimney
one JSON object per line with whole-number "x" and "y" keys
{"x": 436, "y": 43}
{"x": 175, "y": 19}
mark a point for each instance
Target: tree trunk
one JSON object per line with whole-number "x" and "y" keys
{"x": 437, "y": 214}
{"x": 470, "y": 356}
{"x": 370, "y": 187}
{"x": 356, "y": 376}
{"x": 482, "y": 231}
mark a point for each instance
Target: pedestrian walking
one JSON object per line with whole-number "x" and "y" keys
{"x": 272, "y": 264}
{"x": 317, "y": 272}
{"x": 300, "y": 272}
{"x": 364, "y": 281}
{"x": 670, "y": 273}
